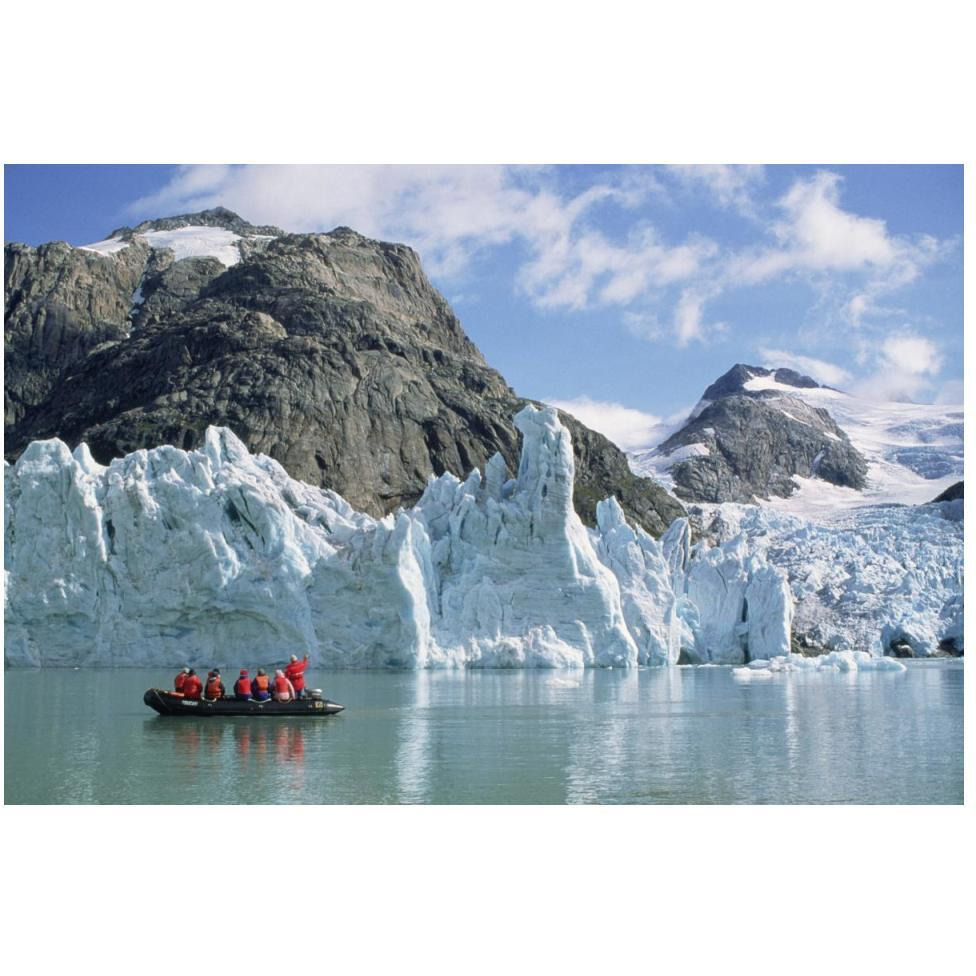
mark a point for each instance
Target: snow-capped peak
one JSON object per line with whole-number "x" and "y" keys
{"x": 913, "y": 451}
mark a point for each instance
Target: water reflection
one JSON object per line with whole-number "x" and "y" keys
{"x": 672, "y": 735}
{"x": 413, "y": 752}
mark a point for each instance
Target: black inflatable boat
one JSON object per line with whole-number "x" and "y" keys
{"x": 171, "y": 703}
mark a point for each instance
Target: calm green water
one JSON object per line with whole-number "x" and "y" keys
{"x": 679, "y": 735}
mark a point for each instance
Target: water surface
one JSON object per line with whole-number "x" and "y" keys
{"x": 676, "y": 735}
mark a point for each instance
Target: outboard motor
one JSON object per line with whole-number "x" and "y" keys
{"x": 315, "y": 694}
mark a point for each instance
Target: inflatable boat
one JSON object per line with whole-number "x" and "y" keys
{"x": 173, "y": 703}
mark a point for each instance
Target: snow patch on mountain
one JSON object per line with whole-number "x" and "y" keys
{"x": 106, "y": 248}
{"x": 165, "y": 556}
{"x": 184, "y": 242}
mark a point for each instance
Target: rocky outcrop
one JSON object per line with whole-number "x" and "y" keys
{"x": 951, "y": 494}
{"x": 217, "y": 217}
{"x": 331, "y": 353}
{"x": 61, "y": 303}
{"x": 744, "y": 444}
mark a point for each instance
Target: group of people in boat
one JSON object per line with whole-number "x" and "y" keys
{"x": 288, "y": 684}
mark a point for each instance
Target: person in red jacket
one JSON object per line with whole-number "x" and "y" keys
{"x": 242, "y": 686}
{"x": 295, "y": 673}
{"x": 283, "y": 690}
{"x": 180, "y": 679}
{"x": 215, "y": 687}
{"x": 192, "y": 686}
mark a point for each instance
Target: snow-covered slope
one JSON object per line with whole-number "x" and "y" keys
{"x": 914, "y": 450}
{"x": 184, "y": 242}
{"x": 216, "y": 555}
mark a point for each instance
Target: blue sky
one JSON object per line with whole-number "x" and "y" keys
{"x": 619, "y": 292}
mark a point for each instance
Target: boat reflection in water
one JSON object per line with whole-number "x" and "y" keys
{"x": 237, "y": 760}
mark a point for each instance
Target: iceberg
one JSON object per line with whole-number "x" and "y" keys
{"x": 165, "y": 556}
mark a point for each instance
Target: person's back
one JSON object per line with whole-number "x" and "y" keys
{"x": 192, "y": 686}
{"x": 283, "y": 690}
{"x": 242, "y": 687}
{"x": 180, "y": 679}
{"x": 261, "y": 686}
{"x": 215, "y": 687}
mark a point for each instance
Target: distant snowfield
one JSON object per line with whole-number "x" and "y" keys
{"x": 914, "y": 450}
{"x": 184, "y": 242}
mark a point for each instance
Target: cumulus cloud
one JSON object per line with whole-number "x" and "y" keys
{"x": 566, "y": 235}
{"x": 818, "y": 369}
{"x": 912, "y": 354}
{"x": 904, "y": 366}
{"x": 628, "y": 428}
{"x": 450, "y": 213}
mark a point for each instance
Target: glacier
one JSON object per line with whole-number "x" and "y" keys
{"x": 869, "y": 578}
{"x": 167, "y": 557}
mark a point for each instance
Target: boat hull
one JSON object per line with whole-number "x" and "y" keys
{"x": 168, "y": 703}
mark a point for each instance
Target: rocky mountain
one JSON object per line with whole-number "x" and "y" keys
{"x": 749, "y": 439}
{"x": 331, "y": 353}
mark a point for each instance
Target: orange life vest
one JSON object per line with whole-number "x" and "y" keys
{"x": 180, "y": 681}
{"x": 261, "y": 683}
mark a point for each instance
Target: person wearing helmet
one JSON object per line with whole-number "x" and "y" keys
{"x": 295, "y": 673}
{"x": 242, "y": 686}
{"x": 180, "y": 679}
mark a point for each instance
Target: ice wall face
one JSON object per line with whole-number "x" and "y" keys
{"x": 874, "y": 579}
{"x": 216, "y": 555}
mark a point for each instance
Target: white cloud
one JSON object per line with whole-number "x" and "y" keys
{"x": 568, "y": 259}
{"x": 628, "y": 428}
{"x": 912, "y": 354}
{"x": 449, "y": 213}
{"x": 904, "y": 364}
{"x": 818, "y": 369}
{"x": 732, "y": 187}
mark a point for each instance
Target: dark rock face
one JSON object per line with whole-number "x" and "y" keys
{"x": 735, "y": 379}
{"x": 217, "y": 217}
{"x": 951, "y": 494}
{"x": 758, "y": 440}
{"x": 61, "y": 303}
{"x": 332, "y": 353}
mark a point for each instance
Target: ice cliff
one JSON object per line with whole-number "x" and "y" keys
{"x": 880, "y": 578}
{"x": 218, "y": 556}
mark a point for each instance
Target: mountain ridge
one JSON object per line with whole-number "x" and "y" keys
{"x": 331, "y": 353}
